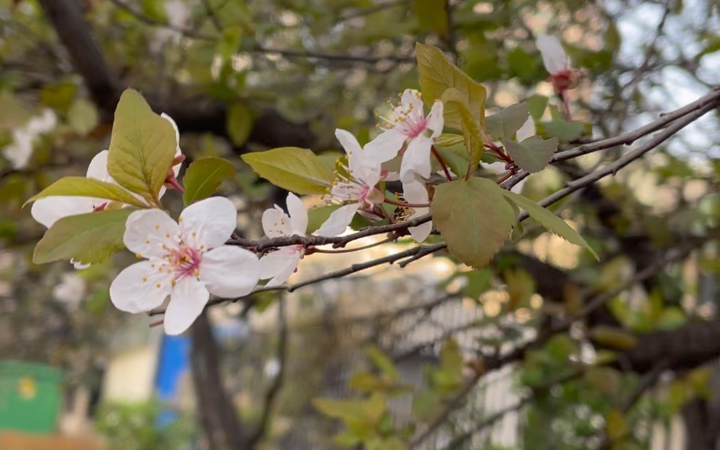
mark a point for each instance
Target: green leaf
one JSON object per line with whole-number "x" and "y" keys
{"x": 437, "y": 74}
{"x": 473, "y": 218}
{"x": 478, "y": 281}
{"x": 239, "y": 123}
{"x": 295, "y": 169}
{"x": 615, "y": 424}
{"x": 613, "y": 337}
{"x": 455, "y": 103}
{"x": 85, "y": 238}
{"x": 229, "y": 43}
{"x": 671, "y": 318}
{"x": 533, "y": 154}
{"x": 604, "y": 379}
{"x": 565, "y": 131}
{"x": 142, "y": 146}
{"x": 368, "y": 382}
{"x": 88, "y": 187}
{"x": 382, "y": 362}
{"x": 448, "y": 140}
{"x": 456, "y": 158}
{"x": 550, "y": 221}
{"x": 317, "y": 216}
{"x": 431, "y": 15}
{"x": 426, "y": 405}
{"x": 203, "y": 178}
{"x": 355, "y": 413}
{"x": 83, "y": 116}
{"x": 505, "y": 123}
{"x": 451, "y": 358}
{"x": 12, "y": 112}
{"x": 537, "y": 105}
{"x": 520, "y": 287}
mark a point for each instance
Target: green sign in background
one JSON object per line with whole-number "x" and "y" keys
{"x": 30, "y": 397}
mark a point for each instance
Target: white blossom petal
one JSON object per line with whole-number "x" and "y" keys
{"x": 422, "y": 231}
{"x": 554, "y": 57}
{"x": 411, "y": 100}
{"x": 229, "y": 271}
{"x": 187, "y": 301}
{"x": 527, "y": 130}
{"x": 276, "y": 223}
{"x": 348, "y": 141}
{"x": 175, "y": 127}
{"x": 415, "y": 192}
{"x": 279, "y": 265}
{"x": 150, "y": 233}
{"x": 97, "y": 168}
{"x": 20, "y": 150}
{"x": 209, "y": 222}
{"x": 416, "y": 159}
{"x": 49, "y": 210}
{"x": 384, "y": 147}
{"x": 79, "y": 266}
{"x": 298, "y": 214}
{"x": 136, "y": 289}
{"x": 338, "y": 221}
{"x": 435, "y": 120}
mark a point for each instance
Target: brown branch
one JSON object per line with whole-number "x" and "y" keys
{"x": 67, "y": 19}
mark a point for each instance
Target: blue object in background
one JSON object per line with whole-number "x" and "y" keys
{"x": 173, "y": 362}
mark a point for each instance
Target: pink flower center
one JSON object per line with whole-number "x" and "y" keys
{"x": 185, "y": 261}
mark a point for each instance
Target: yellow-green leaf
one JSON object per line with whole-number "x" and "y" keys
{"x": 437, "y": 74}
{"x": 604, "y": 379}
{"x": 317, "y": 216}
{"x": 84, "y": 238}
{"x": 204, "y": 176}
{"x": 456, "y": 158}
{"x": 550, "y": 221}
{"x": 533, "y": 154}
{"x": 474, "y": 219}
{"x": 448, "y": 140}
{"x": 353, "y": 412}
{"x": 295, "y": 169}
{"x": 83, "y": 116}
{"x": 88, "y": 187}
{"x": 455, "y": 103}
{"x": 615, "y": 424}
{"x": 505, "y": 123}
{"x": 613, "y": 337}
{"x": 239, "y": 123}
{"x": 382, "y": 362}
{"x": 142, "y": 146}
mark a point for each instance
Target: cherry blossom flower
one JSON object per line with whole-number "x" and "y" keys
{"x": 49, "y": 210}
{"x": 21, "y": 148}
{"x": 408, "y": 123}
{"x": 187, "y": 261}
{"x": 280, "y": 264}
{"x": 415, "y": 193}
{"x": 556, "y": 63}
{"x": 358, "y": 188}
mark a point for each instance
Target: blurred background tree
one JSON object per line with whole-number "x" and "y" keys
{"x": 586, "y": 354}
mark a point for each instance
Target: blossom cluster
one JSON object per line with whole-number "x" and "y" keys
{"x": 190, "y": 259}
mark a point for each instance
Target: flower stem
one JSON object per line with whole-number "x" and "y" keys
{"x": 505, "y": 177}
{"x": 566, "y": 104}
{"x": 172, "y": 182}
{"x": 442, "y": 162}
{"x": 499, "y": 153}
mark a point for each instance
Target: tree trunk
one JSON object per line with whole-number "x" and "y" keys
{"x": 217, "y": 412}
